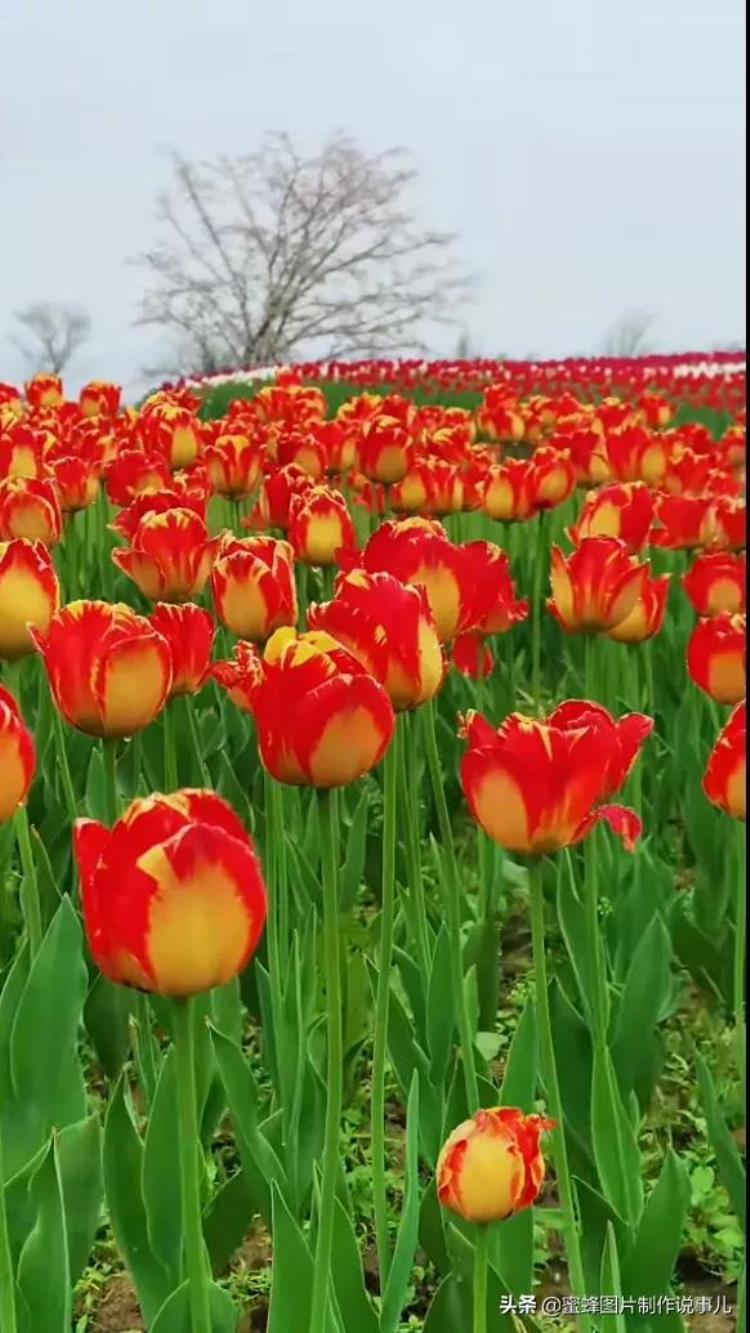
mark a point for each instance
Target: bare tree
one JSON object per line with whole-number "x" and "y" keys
{"x": 269, "y": 253}
{"x": 58, "y": 331}
{"x": 627, "y": 336}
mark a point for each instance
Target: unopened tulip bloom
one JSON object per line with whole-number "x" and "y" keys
{"x": 157, "y": 502}
{"x": 322, "y": 720}
{"x": 716, "y": 582}
{"x": 637, "y": 454}
{"x": 552, "y": 478}
{"x": 276, "y": 493}
{"x": 625, "y": 737}
{"x": 99, "y": 398}
{"x": 472, "y": 656}
{"x": 29, "y": 595}
{"x": 173, "y": 896}
{"x": 44, "y": 390}
{"x": 716, "y": 657}
{"x": 174, "y": 432}
{"x": 647, "y": 617}
{"x": 385, "y": 450}
{"x": 110, "y": 672}
{"x": 30, "y": 509}
{"x": 77, "y": 482}
{"x": 171, "y": 556}
{"x": 320, "y": 526}
{"x": 596, "y": 587}
{"x": 132, "y": 473}
{"x": 189, "y": 631}
{"x": 508, "y": 491}
{"x": 683, "y": 521}
{"x": 730, "y": 522}
{"x": 296, "y": 448}
{"x": 625, "y": 510}
{"x": 536, "y": 787}
{"x": 390, "y": 628}
{"x": 234, "y": 463}
{"x": 252, "y": 583}
{"x": 492, "y": 1166}
{"x": 725, "y": 779}
{"x": 17, "y": 756}
{"x": 21, "y": 453}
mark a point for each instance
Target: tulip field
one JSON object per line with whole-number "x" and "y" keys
{"x": 372, "y": 850}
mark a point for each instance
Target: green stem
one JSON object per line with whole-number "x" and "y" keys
{"x": 452, "y": 909}
{"x": 272, "y": 935}
{"x": 188, "y": 1143}
{"x": 171, "y": 779}
{"x": 412, "y": 841}
{"x": 738, "y": 971}
{"x": 7, "y": 1279}
{"x": 189, "y": 703}
{"x": 591, "y": 886}
{"x": 481, "y": 1244}
{"x": 321, "y": 1277}
{"x": 111, "y": 800}
{"x": 282, "y": 884}
{"x": 32, "y": 910}
{"x": 62, "y": 757}
{"x": 385, "y": 957}
{"x": 549, "y": 1070}
{"x": 540, "y": 567}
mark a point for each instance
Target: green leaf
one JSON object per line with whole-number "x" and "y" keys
{"x": 160, "y": 1176}
{"x": 43, "y": 1268}
{"x": 106, "y": 1014}
{"x": 440, "y": 1020}
{"x": 571, "y": 914}
{"x": 352, "y": 1299}
{"x": 291, "y": 1289}
{"x": 174, "y": 1315}
{"x": 259, "y": 1161}
{"x": 649, "y": 1266}
{"x": 520, "y": 1074}
{"x": 610, "y": 1284}
{"x": 95, "y": 800}
{"x": 227, "y": 1218}
{"x": 80, "y": 1155}
{"x": 355, "y": 838}
{"x": 731, "y": 1170}
{"x": 616, "y": 1152}
{"x": 644, "y": 1001}
{"x": 406, "y": 1243}
{"x": 123, "y": 1165}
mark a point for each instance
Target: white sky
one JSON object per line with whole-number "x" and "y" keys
{"x": 590, "y": 153}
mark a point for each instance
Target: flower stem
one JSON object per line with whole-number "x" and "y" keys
{"x": 540, "y": 566}
{"x": 410, "y": 798}
{"x": 321, "y": 1277}
{"x": 187, "y": 1117}
{"x": 549, "y": 1071}
{"x": 62, "y": 756}
{"x": 272, "y": 935}
{"x": 32, "y": 910}
{"x": 7, "y": 1283}
{"x": 453, "y": 909}
{"x": 387, "y": 914}
{"x": 481, "y": 1245}
{"x": 171, "y": 779}
{"x": 109, "y": 756}
{"x": 738, "y": 971}
{"x": 599, "y": 1006}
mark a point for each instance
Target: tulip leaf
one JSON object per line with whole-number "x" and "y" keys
{"x": 354, "y": 1304}
{"x": 649, "y": 1265}
{"x": 571, "y": 915}
{"x": 520, "y": 1074}
{"x": 355, "y": 838}
{"x": 618, "y": 1160}
{"x": 645, "y": 1000}
{"x": 160, "y": 1176}
{"x": 259, "y": 1161}
{"x": 610, "y": 1284}
{"x": 123, "y": 1166}
{"x": 174, "y": 1315}
{"x": 440, "y": 1020}
{"x": 227, "y": 1218}
{"x": 291, "y": 1289}
{"x": 96, "y": 789}
{"x": 80, "y": 1155}
{"x": 406, "y": 1242}
{"x": 43, "y": 1266}
{"x": 106, "y": 1018}
{"x": 432, "y": 1230}
{"x": 731, "y": 1170}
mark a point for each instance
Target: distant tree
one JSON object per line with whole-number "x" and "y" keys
{"x": 56, "y": 330}
{"x": 627, "y": 336}
{"x": 270, "y": 253}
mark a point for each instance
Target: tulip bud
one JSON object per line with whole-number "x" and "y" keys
{"x": 492, "y": 1166}
{"x": 17, "y": 756}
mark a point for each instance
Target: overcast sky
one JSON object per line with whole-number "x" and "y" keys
{"x": 589, "y": 153}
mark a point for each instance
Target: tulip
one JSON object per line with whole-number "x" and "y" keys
{"x": 322, "y": 720}
{"x": 508, "y": 491}
{"x": 730, "y": 522}
{"x": 320, "y": 526}
{"x": 252, "y": 583}
{"x": 233, "y": 462}
{"x": 536, "y": 787}
{"x": 29, "y": 595}
{"x": 472, "y": 656}
{"x": 17, "y": 756}
{"x": 647, "y": 617}
{"x": 636, "y": 454}
{"x": 491, "y": 1166}
{"x": 682, "y": 521}
{"x": 625, "y": 737}
{"x": 717, "y": 582}
{"x": 30, "y": 509}
{"x": 109, "y": 671}
{"x": 296, "y": 448}
{"x": 173, "y": 896}
{"x": 385, "y": 450}
{"x": 157, "y": 502}
{"x": 44, "y": 390}
{"x": 596, "y": 587}
{"x": 552, "y": 477}
{"x": 77, "y": 483}
{"x": 99, "y": 398}
{"x": 174, "y": 433}
{"x": 716, "y": 657}
{"x": 390, "y": 629}
{"x": 189, "y": 631}
{"x": 276, "y": 494}
{"x": 625, "y": 510}
{"x": 133, "y": 473}
{"x": 171, "y": 556}
{"x": 21, "y": 453}
{"x": 725, "y": 782}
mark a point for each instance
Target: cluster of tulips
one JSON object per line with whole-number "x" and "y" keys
{"x": 289, "y": 600}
